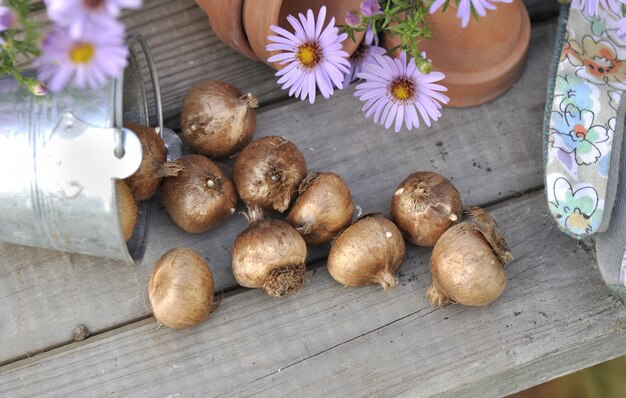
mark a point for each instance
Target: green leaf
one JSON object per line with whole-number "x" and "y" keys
{"x": 445, "y": 6}
{"x": 475, "y": 13}
{"x": 391, "y": 50}
{"x": 20, "y": 41}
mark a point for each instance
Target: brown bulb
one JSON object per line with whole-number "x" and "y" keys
{"x": 201, "y": 197}
{"x": 154, "y": 165}
{"x": 268, "y": 172}
{"x": 217, "y": 119}
{"x": 370, "y": 251}
{"x": 271, "y": 255}
{"x": 127, "y": 209}
{"x": 323, "y": 209}
{"x": 424, "y": 206}
{"x": 181, "y": 289}
{"x": 467, "y": 263}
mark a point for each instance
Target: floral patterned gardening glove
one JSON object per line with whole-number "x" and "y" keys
{"x": 584, "y": 127}
{"x": 583, "y": 135}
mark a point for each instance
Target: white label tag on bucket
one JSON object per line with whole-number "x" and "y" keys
{"x": 83, "y": 152}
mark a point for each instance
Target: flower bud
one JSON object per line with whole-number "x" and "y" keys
{"x": 36, "y": 87}
{"x": 370, "y": 8}
{"x": 424, "y": 65}
{"x": 353, "y": 19}
{"x": 7, "y": 18}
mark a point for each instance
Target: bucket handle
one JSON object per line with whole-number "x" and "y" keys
{"x": 154, "y": 78}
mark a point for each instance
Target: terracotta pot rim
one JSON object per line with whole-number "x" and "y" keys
{"x": 274, "y": 13}
{"x": 235, "y": 38}
{"x": 487, "y": 83}
{"x": 484, "y": 75}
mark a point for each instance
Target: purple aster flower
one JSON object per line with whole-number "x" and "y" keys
{"x": 7, "y": 18}
{"x": 363, "y": 55}
{"x": 395, "y": 89}
{"x": 370, "y": 8}
{"x": 591, "y": 7}
{"x": 371, "y": 38}
{"x": 353, "y": 19}
{"x": 90, "y": 61}
{"x": 312, "y": 57}
{"x": 79, "y": 14}
{"x": 464, "y": 9}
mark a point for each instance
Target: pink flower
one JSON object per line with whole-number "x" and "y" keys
{"x": 77, "y": 15}
{"x": 395, "y": 89}
{"x": 464, "y": 9}
{"x": 90, "y": 61}
{"x": 370, "y": 8}
{"x": 313, "y": 56}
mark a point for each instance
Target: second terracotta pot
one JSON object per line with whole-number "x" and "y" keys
{"x": 258, "y": 15}
{"x": 483, "y": 60}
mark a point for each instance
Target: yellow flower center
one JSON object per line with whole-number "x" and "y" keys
{"x": 402, "y": 89}
{"x": 401, "y": 92}
{"x": 82, "y": 53}
{"x": 309, "y": 54}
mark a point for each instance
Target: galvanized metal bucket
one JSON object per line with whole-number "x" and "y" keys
{"x": 59, "y": 156}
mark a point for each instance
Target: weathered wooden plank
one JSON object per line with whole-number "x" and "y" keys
{"x": 563, "y": 362}
{"x": 490, "y": 152}
{"x": 334, "y": 341}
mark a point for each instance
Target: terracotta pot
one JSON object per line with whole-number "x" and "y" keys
{"x": 226, "y": 21}
{"x": 482, "y": 61}
{"x": 258, "y": 15}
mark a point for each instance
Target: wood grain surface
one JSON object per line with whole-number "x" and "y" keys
{"x": 554, "y": 316}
